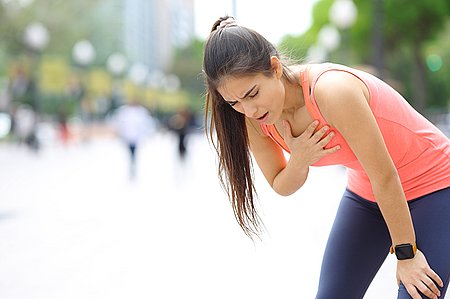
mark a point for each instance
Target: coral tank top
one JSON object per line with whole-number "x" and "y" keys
{"x": 420, "y": 151}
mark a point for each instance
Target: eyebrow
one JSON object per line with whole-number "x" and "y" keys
{"x": 248, "y": 92}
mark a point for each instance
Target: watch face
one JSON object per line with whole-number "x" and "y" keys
{"x": 404, "y": 251}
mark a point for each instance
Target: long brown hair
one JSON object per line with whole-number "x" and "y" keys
{"x": 234, "y": 50}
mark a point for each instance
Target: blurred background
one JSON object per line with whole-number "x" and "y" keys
{"x": 108, "y": 185}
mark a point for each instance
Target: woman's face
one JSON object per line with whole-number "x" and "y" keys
{"x": 257, "y": 96}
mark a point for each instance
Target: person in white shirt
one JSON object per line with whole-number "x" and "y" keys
{"x": 133, "y": 124}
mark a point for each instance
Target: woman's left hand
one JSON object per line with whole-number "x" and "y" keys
{"x": 416, "y": 274}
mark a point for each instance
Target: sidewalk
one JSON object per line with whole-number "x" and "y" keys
{"x": 73, "y": 226}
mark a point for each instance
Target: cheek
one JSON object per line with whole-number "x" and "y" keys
{"x": 277, "y": 95}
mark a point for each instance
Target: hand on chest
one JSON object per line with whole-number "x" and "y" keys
{"x": 299, "y": 121}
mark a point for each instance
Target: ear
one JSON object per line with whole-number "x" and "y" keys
{"x": 277, "y": 67}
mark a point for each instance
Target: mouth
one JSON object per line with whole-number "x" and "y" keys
{"x": 263, "y": 118}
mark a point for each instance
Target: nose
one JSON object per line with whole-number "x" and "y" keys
{"x": 249, "y": 109}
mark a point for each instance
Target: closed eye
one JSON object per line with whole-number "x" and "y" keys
{"x": 232, "y": 103}
{"x": 254, "y": 95}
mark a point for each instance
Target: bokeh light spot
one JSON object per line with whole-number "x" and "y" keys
{"x": 434, "y": 62}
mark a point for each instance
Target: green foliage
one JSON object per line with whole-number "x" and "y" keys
{"x": 361, "y": 33}
{"x": 58, "y": 105}
{"x": 414, "y": 22}
{"x": 66, "y": 21}
{"x": 412, "y": 30}
{"x": 439, "y": 77}
{"x": 296, "y": 47}
{"x": 188, "y": 67}
{"x": 407, "y": 29}
{"x": 320, "y": 15}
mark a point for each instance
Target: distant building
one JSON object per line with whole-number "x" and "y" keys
{"x": 153, "y": 28}
{"x": 106, "y": 28}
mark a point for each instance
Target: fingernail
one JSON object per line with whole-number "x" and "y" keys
{"x": 316, "y": 122}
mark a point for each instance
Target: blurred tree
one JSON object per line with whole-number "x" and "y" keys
{"x": 66, "y": 21}
{"x": 408, "y": 29}
{"x": 296, "y": 47}
{"x": 187, "y": 66}
{"x": 437, "y": 57}
{"x": 412, "y": 26}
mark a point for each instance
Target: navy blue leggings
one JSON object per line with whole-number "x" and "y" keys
{"x": 359, "y": 243}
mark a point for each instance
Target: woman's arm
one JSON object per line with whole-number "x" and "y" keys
{"x": 286, "y": 177}
{"x": 345, "y": 106}
{"x": 268, "y": 155}
{"x": 343, "y": 100}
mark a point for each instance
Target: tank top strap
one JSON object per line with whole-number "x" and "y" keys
{"x": 308, "y": 90}
{"x": 310, "y": 104}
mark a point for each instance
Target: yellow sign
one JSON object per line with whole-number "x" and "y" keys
{"x": 53, "y": 75}
{"x": 99, "y": 82}
{"x": 166, "y": 101}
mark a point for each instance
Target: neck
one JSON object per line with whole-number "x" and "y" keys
{"x": 294, "y": 99}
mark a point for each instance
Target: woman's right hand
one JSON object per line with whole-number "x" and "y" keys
{"x": 308, "y": 147}
{"x": 416, "y": 275}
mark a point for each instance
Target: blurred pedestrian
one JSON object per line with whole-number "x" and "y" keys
{"x": 180, "y": 123}
{"x": 398, "y": 162}
{"x": 63, "y": 128}
{"x": 25, "y": 126}
{"x": 133, "y": 124}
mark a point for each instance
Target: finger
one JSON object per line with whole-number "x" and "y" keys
{"x": 435, "y": 277}
{"x": 332, "y": 150}
{"x": 431, "y": 285}
{"x": 326, "y": 140}
{"x": 310, "y": 129}
{"x": 320, "y": 134}
{"x": 412, "y": 291}
{"x": 421, "y": 286}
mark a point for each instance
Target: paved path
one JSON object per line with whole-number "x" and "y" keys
{"x": 73, "y": 226}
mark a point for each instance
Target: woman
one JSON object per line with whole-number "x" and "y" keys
{"x": 325, "y": 114}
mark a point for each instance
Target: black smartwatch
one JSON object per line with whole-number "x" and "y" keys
{"x": 404, "y": 251}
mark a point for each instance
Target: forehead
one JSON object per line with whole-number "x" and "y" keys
{"x": 236, "y": 86}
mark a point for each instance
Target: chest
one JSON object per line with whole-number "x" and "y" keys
{"x": 299, "y": 122}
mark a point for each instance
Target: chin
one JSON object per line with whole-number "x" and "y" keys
{"x": 273, "y": 119}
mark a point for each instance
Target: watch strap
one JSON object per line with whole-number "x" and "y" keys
{"x": 404, "y": 251}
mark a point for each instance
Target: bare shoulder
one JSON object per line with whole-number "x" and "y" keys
{"x": 335, "y": 90}
{"x": 336, "y": 82}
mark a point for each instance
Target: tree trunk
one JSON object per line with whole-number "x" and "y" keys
{"x": 377, "y": 38}
{"x": 419, "y": 81}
